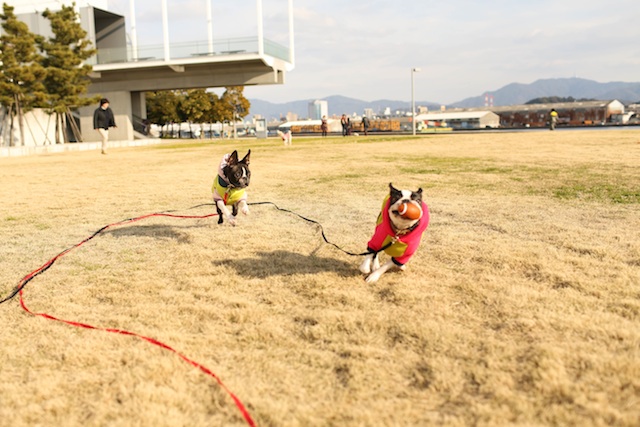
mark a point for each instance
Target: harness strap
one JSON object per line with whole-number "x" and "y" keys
{"x": 407, "y": 231}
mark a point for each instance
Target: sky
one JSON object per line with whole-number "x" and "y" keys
{"x": 464, "y": 48}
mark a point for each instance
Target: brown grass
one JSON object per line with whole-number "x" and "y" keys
{"x": 521, "y": 308}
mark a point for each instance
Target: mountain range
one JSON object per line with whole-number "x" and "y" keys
{"x": 511, "y": 94}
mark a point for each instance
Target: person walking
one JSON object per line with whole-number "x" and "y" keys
{"x": 553, "y": 119}
{"x": 324, "y": 127}
{"x": 102, "y": 120}
{"x": 365, "y": 124}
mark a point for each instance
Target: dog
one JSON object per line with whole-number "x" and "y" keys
{"x": 286, "y": 137}
{"x": 395, "y": 234}
{"x": 229, "y": 187}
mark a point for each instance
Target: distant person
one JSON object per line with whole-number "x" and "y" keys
{"x": 146, "y": 126}
{"x": 103, "y": 120}
{"x": 348, "y": 125}
{"x": 344, "y": 121}
{"x": 324, "y": 127}
{"x": 365, "y": 124}
{"x": 553, "y": 119}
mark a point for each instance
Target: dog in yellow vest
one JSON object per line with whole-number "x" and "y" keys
{"x": 230, "y": 187}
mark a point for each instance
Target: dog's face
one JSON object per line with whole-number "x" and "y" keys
{"x": 237, "y": 171}
{"x": 397, "y": 198}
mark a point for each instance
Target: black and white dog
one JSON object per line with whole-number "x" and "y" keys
{"x": 401, "y": 223}
{"x": 229, "y": 187}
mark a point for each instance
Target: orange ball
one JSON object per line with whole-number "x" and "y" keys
{"x": 410, "y": 211}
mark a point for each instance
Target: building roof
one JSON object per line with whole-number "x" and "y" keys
{"x": 548, "y": 106}
{"x": 31, "y": 6}
{"x": 456, "y": 115}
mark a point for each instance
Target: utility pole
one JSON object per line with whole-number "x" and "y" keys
{"x": 413, "y": 102}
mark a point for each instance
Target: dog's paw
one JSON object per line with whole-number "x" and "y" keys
{"x": 231, "y": 220}
{"x": 373, "y": 277}
{"x": 375, "y": 264}
{"x": 245, "y": 210}
{"x": 365, "y": 267}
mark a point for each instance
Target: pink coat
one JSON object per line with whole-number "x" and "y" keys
{"x": 406, "y": 244}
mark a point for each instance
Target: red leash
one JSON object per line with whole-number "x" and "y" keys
{"x": 49, "y": 263}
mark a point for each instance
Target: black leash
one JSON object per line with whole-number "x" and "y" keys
{"x": 49, "y": 263}
{"x": 324, "y": 236}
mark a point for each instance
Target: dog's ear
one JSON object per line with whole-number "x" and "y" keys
{"x": 394, "y": 193}
{"x": 233, "y": 159}
{"x": 417, "y": 195}
{"x": 245, "y": 160}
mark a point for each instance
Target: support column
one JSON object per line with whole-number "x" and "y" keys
{"x": 120, "y": 103}
{"x": 292, "y": 58}
{"x": 210, "y": 26}
{"x": 134, "y": 31}
{"x": 260, "y": 28}
{"x": 165, "y": 31}
{"x": 139, "y": 104}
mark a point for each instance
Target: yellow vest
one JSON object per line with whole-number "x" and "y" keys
{"x": 223, "y": 191}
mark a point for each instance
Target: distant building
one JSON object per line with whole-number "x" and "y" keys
{"x": 569, "y": 113}
{"x": 368, "y": 112}
{"x": 292, "y": 117}
{"x": 460, "y": 120}
{"x": 317, "y": 109}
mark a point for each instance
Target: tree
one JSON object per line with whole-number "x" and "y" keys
{"x": 21, "y": 74}
{"x": 67, "y": 77}
{"x": 195, "y": 105}
{"x": 211, "y": 115}
{"x": 233, "y": 104}
{"x": 162, "y": 108}
{"x": 556, "y": 99}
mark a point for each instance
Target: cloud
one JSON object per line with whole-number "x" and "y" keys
{"x": 365, "y": 49}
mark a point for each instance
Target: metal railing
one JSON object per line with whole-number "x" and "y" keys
{"x": 232, "y": 46}
{"x": 140, "y": 125}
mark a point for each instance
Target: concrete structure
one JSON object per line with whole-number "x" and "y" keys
{"x": 123, "y": 73}
{"x": 39, "y": 129}
{"x": 317, "y": 109}
{"x": 460, "y": 120}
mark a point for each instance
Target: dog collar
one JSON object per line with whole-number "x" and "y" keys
{"x": 405, "y": 231}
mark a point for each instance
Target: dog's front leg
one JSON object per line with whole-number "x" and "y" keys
{"x": 365, "y": 267}
{"x": 244, "y": 208}
{"x": 376, "y": 263}
{"x": 223, "y": 212}
{"x": 377, "y": 273}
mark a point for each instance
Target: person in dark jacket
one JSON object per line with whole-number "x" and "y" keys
{"x": 324, "y": 126}
{"x": 102, "y": 120}
{"x": 365, "y": 124}
{"x": 344, "y": 121}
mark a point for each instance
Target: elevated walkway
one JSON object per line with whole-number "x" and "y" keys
{"x": 123, "y": 73}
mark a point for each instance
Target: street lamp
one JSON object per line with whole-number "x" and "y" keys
{"x": 413, "y": 102}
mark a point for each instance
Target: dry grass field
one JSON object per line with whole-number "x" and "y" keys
{"x": 522, "y": 307}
